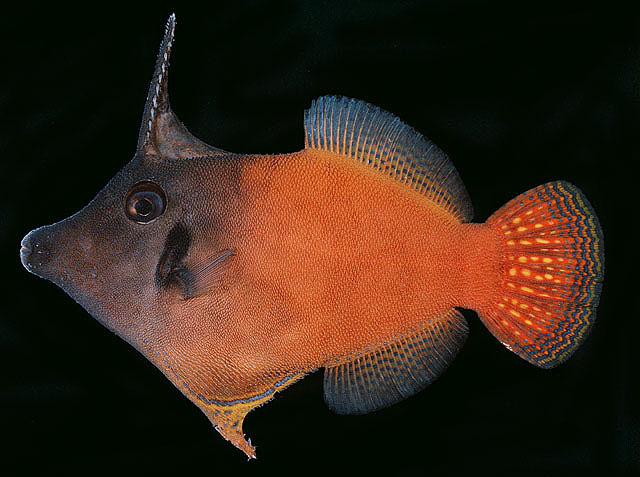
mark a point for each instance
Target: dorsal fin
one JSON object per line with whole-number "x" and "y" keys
{"x": 368, "y": 134}
{"x": 162, "y": 134}
{"x": 396, "y": 370}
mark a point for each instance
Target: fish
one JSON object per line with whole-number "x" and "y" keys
{"x": 237, "y": 275}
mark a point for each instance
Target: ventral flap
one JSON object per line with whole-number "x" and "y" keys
{"x": 228, "y": 415}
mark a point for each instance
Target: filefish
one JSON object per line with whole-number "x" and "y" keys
{"x": 238, "y": 274}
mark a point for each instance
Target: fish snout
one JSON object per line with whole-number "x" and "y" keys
{"x": 60, "y": 252}
{"x": 33, "y": 250}
{"x": 25, "y": 250}
{"x": 65, "y": 253}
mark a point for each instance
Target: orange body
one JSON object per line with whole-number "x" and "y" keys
{"x": 338, "y": 258}
{"x": 332, "y": 259}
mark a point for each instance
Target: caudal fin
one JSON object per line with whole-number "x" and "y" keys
{"x": 553, "y": 266}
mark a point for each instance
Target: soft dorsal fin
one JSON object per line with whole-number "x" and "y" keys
{"x": 368, "y": 134}
{"x": 396, "y": 370}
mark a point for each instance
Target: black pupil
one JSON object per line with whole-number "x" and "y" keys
{"x": 145, "y": 202}
{"x": 143, "y": 206}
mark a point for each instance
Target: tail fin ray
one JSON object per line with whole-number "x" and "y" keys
{"x": 552, "y": 274}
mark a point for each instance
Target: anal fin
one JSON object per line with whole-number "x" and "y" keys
{"x": 396, "y": 370}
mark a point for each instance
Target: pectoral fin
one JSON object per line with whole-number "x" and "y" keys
{"x": 205, "y": 275}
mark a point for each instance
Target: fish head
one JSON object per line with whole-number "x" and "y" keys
{"x": 122, "y": 256}
{"x": 119, "y": 256}
{"x": 145, "y": 256}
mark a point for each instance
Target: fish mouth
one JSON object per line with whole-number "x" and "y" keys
{"x": 25, "y": 250}
{"x": 32, "y": 254}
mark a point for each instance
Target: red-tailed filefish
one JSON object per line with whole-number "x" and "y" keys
{"x": 237, "y": 274}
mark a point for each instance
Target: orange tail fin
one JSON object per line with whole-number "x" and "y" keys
{"x": 552, "y": 273}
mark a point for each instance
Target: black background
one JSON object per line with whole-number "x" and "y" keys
{"x": 517, "y": 96}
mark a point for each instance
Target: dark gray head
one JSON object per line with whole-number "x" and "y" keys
{"x": 126, "y": 252}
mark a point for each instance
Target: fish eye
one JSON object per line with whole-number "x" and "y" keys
{"x": 145, "y": 202}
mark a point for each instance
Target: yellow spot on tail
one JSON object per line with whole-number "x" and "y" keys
{"x": 535, "y": 259}
{"x": 504, "y": 227}
{"x": 526, "y": 272}
{"x": 556, "y": 281}
{"x": 515, "y": 313}
{"x": 528, "y": 322}
{"x": 529, "y": 212}
{"x": 512, "y": 272}
{"x": 539, "y": 240}
{"x": 548, "y": 276}
{"x": 537, "y": 226}
{"x": 526, "y": 289}
{"x": 510, "y": 242}
{"x": 524, "y": 305}
{"x": 514, "y": 301}
{"x": 521, "y": 229}
{"x": 501, "y": 305}
{"x": 505, "y": 322}
{"x": 539, "y": 277}
{"x": 522, "y": 259}
{"x": 547, "y": 260}
{"x": 525, "y": 242}
{"x": 517, "y": 220}
{"x": 550, "y": 222}
{"x": 509, "y": 284}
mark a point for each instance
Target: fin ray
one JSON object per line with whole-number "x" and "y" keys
{"x": 397, "y": 370}
{"x": 383, "y": 142}
{"x": 552, "y": 273}
{"x": 206, "y": 275}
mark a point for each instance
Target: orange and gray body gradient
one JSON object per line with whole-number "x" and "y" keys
{"x": 353, "y": 255}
